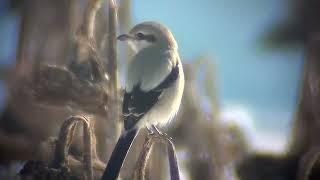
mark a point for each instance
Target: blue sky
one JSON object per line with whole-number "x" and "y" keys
{"x": 252, "y": 80}
{"x": 8, "y": 36}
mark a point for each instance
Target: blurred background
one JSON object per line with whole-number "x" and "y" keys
{"x": 256, "y": 86}
{"x": 250, "y": 104}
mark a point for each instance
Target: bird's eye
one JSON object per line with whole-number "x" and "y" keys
{"x": 139, "y": 35}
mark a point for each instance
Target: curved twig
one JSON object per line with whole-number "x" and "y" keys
{"x": 85, "y": 61}
{"x": 63, "y": 144}
{"x": 89, "y": 18}
{"x": 141, "y": 165}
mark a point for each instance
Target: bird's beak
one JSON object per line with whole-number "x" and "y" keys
{"x": 125, "y": 37}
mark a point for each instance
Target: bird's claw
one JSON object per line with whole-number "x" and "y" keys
{"x": 161, "y": 134}
{"x": 150, "y": 131}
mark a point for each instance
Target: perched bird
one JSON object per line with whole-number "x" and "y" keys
{"x": 153, "y": 87}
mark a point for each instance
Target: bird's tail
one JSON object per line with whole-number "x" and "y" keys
{"x": 118, "y": 155}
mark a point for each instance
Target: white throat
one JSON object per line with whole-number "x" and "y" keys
{"x": 137, "y": 46}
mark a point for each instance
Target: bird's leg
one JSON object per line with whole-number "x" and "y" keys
{"x": 165, "y": 135}
{"x": 150, "y": 131}
{"x": 156, "y": 129}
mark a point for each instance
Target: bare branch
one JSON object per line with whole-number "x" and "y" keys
{"x": 89, "y": 19}
{"x": 112, "y": 42}
{"x": 112, "y": 61}
{"x": 113, "y": 103}
{"x": 85, "y": 60}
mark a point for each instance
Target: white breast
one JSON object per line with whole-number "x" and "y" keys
{"x": 149, "y": 67}
{"x": 167, "y": 106}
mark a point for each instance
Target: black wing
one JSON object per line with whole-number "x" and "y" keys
{"x": 137, "y": 102}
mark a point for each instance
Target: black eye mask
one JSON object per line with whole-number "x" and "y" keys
{"x": 146, "y": 37}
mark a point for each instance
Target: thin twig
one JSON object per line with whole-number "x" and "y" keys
{"x": 139, "y": 172}
{"x": 65, "y": 138}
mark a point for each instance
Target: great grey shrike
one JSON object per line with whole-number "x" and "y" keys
{"x": 153, "y": 87}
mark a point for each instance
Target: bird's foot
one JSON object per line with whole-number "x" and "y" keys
{"x": 150, "y": 131}
{"x": 161, "y": 134}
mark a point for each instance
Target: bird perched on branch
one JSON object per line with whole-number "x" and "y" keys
{"x": 153, "y": 87}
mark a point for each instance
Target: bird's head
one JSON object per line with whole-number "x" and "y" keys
{"x": 149, "y": 34}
